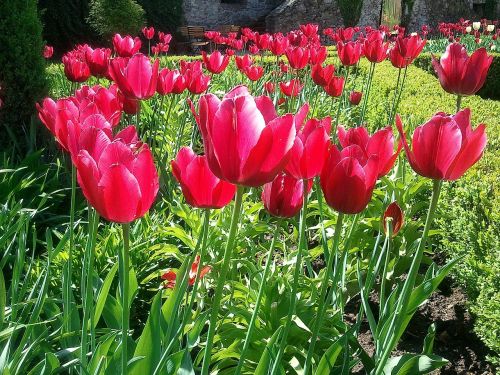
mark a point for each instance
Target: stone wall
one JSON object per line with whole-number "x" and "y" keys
{"x": 292, "y": 13}
{"x": 213, "y": 13}
{"x": 431, "y": 12}
{"x": 370, "y": 13}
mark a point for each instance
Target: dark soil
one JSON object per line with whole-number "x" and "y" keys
{"x": 455, "y": 338}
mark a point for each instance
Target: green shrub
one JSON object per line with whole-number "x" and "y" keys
{"x": 164, "y": 15}
{"x": 22, "y": 70}
{"x": 65, "y": 23}
{"x": 469, "y": 220}
{"x": 350, "y": 10}
{"x": 491, "y": 88}
{"x": 108, "y": 17}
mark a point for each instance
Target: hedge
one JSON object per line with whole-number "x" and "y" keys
{"x": 491, "y": 88}
{"x": 469, "y": 220}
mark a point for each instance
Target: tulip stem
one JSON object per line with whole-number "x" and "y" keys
{"x": 251, "y": 325}
{"x": 324, "y": 239}
{"x": 324, "y": 288}
{"x": 459, "y": 102}
{"x": 401, "y": 314}
{"x": 67, "y": 295}
{"x": 367, "y": 92}
{"x": 293, "y": 294}
{"x": 222, "y": 277}
{"x": 386, "y": 265}
{"x": 124, "y": 267}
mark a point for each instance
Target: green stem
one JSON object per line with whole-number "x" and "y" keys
{"x": 459, "y": 102}
{"x": 123, "y": 256}
{"x": 395, "y": 96}
{"x": 67, "y": 300}
{"x": 324, "y": 239}
{"x": 293, "y": 294}
{"x": 251, "y": 326}
{"x": 228, "y": 252}
{"x": 401, "y": 313}
{"x": 386, "y": 266}
{"x": 324, "y": 288}
{"x": 367, "y": 92}
{"x": 341, "y": 99}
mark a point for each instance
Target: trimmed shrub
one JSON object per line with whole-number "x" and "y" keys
{"x": 350, "y": 10}
{"x": 164, "y": 15}
{"x": 65, "y": 23}
{"x": 491, "y": 88}
{"x": 108, "y": 17}
{"x": 22, "y": 70}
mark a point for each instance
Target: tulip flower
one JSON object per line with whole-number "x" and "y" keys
{"x": 374, "y": 48}
{"x": 476, "y": 25}
{"x": 355, "y": 97}
{"x": 298, "y": 57}
{"x": 243, "y": 62}
{"x": 310, "y": 30}
{"x": 98, "y": 61}
{"x": 310, "y": 149}
{"x": 394, "y": 212}
{"x": 254, "y": 73}
{"x": 170, "y": 276}
{"x": 216, "y": 62}
{"x": 460, "y": 74}
{"x": 335, "y": 86}
{"x": 99, "y": 100}
{"x": 48, "y": 51}
{"x": 148, "y": 32}
{"x": 75, "y": 68}
{"x": 321, "y": 76}
{"x": 348, "y": 179}
{"x": 131, "y": 106}
{"x": 245, "y": 141}
{"x": 406, "y": 50}
{"x": 135, "y": 77}
{"x": 126, "y": 46}
{"x": 279, "y": 45}
{"x": 168, "y": 80}
{"x": 200, "y": 187}
{"x": 269, "y": 87}
{"x": 284, "y": 196}
{"x": 55, "y": 116}
{"x": 349, "y": 53}
{"x": 380, "y": 144}
{"x": 291, "y": 88}
{"x": 264, "y": 41}
{"x": 317, "y": 55}
{"x": 196, "y": 82}
{"x": 121, "y": 181}
{"x": 445, "y": 147}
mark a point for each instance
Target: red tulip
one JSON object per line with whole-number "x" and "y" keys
{"x": 195, "y": 66}
{"x": 298, "y": 57}
{"x": 121, "y": 181}
{"x": 349, "y": 52}
{"x": 200, "y": 187}
{"x": 130, "y": 105}
{"x": 279, "y": 45}
{"x": 135, "y": 77}
{"x": 98, "y": 61}
{"x": 348, "y": 178}
{"x": 148, "y": 32}
{"x": 197, "y": 82}
{"x": 75, "y": 67}
{"x": 216, "y": 62}
{"x": 284, "y": 196}
{"x": 380, "y": 144}
{"x": 165, "y": 38}
{"x": 460, "y": 74}
{"x": 170, "y": 276}
{"x": 321, "y": 76}
{"x": 168, "y": 80}
{"x": 374, "y": 48}
{"x": 99, "y": 100}
{"x": 269, "y": 87}
{"x": 394, "y": 212}
{"x": 264, "y": 41}
{"x": 335, "y": 86}
{"x": 292, "y": 87}
{"x": 48, "y": 51}
{"x": 318, "y": 55}
{"x": 310, "y": 149}
{"x": 55, "y": 116}
{"x": 445, "y": 147}
{"x": 406, "y": 50}
{"x": 310, "y": 30}
{"x": 355, "y": 97}
{"x": 243, "y": 62}
{"x": 254, "y": 73}
{"x": 245, "y": 141}
{"x": 126, "y": 46}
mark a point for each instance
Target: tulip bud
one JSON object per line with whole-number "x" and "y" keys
{"x": 476, "y": 25}
{"x": 284, "y": 196}
{"x": 355, "y": 97}
{"x": 393, "y": 212}
{"x": 490, "y": 28}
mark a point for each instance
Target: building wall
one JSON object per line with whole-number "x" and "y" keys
{"x": 213, "y": 13}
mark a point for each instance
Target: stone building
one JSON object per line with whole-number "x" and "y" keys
{"x": 284, "y": 15}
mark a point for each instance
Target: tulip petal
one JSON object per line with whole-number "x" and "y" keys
{"x": 88, "y": 178}
{"x": 266, "y": 107}
{"x": 120, "y": 193}
{"x": 143, "y": 168}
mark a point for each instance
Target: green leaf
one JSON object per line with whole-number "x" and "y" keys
{"x": 186, "y": 365}
{"x": 3, "y": 299}
{"x": 429, "y": 339}
{"x": 413, "y": 364}
{"x": 103, "y": 294}
{"x": 268, "y": 354}
{"x": 328, "y": 360}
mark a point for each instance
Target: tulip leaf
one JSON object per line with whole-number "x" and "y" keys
{"x": 413, "y": 364}
{"x": 103, "y": 294}
{"x": 268, "y": 354}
